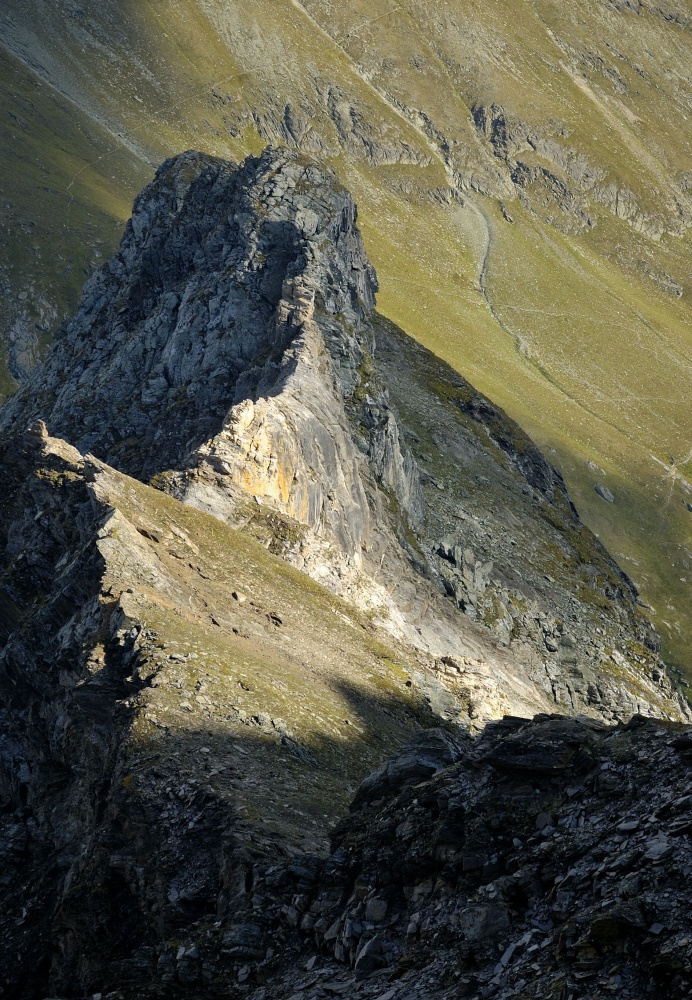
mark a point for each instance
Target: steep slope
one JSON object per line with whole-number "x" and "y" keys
{"x": 80, "y": 192}
{"x": 545, "y": 861}
{"x": 176, "y": 703}
{"x": 524, "y": 174}
{"x": 182, "y": 710}
{"x": 227, "y": 353}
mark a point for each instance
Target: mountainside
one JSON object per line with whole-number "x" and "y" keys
{"x": 254, "y": 538}
{"x": 228, "y": 355}
{"x": 523, "y": 172}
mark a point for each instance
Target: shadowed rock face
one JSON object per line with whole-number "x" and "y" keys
{"x": 197, "y": 345}
{"x": 552, "y": 858}
{"x": 175, "y": 329}
{"x": 148, "y": 749}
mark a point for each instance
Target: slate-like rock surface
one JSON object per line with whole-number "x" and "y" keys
{"x": 553, "y": 859}
{"x": 159, "y": 734}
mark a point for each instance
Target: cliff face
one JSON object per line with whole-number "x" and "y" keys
{"x": 182, "y": 707}
{"x": 196, "y": 348}
{"x": 523, "y": 176}
{"x": 171, "y": 332}
{"x": 177, "y": 704}
{"x": 230, "y": 354}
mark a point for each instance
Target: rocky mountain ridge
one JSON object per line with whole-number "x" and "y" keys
{"x": 524, "y": 178}
{"x": 148, "y": 653}
{"x": 253, "y": 538}
{"x": 228, "y": 354}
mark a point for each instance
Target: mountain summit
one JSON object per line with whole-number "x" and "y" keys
{"x": 254, "y": 540}
{"x": 522, "y": 171}
{"x": 230, "y": 354}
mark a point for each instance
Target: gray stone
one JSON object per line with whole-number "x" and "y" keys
{"x": 376, "y": 910}
{"x": 543, "y": 820}
{"x": 604, "y": 493}
{"x": 244, "y": 941}
{"x": 480, "y": 922}
{"x": 427, "y": 753}
{"x": 369, "y": 957}
{"x": 658, "y": 849}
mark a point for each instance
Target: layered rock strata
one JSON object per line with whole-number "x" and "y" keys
{"x": 546, "y": 858}
{"x": 175, "y": 703}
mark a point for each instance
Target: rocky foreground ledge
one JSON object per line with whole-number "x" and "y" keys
{"x": 546, "y": 858}
{"x": 181, "y": 715}
{"x": 552, "y": 858}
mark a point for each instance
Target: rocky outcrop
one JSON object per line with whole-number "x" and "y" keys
{"x": 176, "y": 704}
{"x": 207, "y": 357}
{"x": 184, "y": 714}
{"x": 60, "y": 692}
{"x": 231, "y": 355}
{"x": 558, "y": 182}
{"x": 552, "y": 858}
{"x": 191, "y": 303}
{"x": 546, "y": 854}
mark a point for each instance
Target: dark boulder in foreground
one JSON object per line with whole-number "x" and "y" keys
{"x": 553, "y": 859}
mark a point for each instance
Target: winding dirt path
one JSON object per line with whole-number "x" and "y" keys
{"x": 432, "y": 146}
{"x": 463, "y": 195}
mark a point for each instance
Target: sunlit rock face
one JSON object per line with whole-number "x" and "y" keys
{"x": 229, "y": 333}
{"x": 230, "y": 353}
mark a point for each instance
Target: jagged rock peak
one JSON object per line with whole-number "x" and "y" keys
{"x": 227, "y": 354}
{"x": 149, "y": 366}
{"x": 227, "y": 349}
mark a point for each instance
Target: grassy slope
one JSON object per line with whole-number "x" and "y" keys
{"x": 290, "y": 650}
{"x": 51, "y": 237}
{"x": 589, "y": 355}
{"x": 593, "y": 359}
